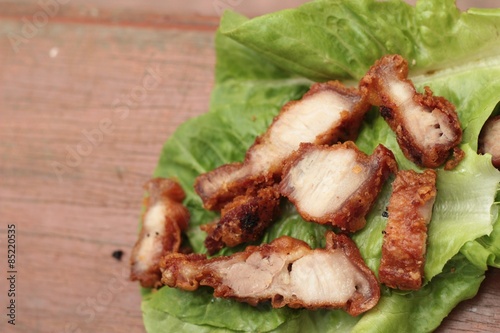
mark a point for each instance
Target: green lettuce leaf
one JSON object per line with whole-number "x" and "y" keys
{"x": 341, "y": 39}
{"x": 423, "y": 310}
{"x": 157, "y": 320}
{"x": 485, "y": 251}
{"x": 465, "y": 200}
{"x": 265, "y": 62}
{"x": 201, "y": 308}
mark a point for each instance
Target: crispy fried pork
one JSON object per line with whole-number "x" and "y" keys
{"x": 327, "y": 113}
{"x": 243, "y": 220}
{"x": 336, "y": 184}
{"x": 489, "y": 140}
{"x": 162, "y": 224}
{"x": 286, "y": 272}
{"x": 405, "y": 236}
{"x": 426, "y": 126}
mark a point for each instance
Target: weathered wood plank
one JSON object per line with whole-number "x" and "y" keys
{"x": 85, "y": 106}
{"x": 85, "y": 109}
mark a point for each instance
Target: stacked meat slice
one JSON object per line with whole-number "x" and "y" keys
{"x": 327, "y": 113}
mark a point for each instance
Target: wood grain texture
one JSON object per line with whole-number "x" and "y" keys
{"x": 73, "y": 212}
{"x": 85, "y": 106}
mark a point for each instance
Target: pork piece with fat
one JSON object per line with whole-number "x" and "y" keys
{"x": 162, "y": 224}
{"x": 336, "y": 184}
{"x": 405, "y": 235}
{"x": 286, "y": 272}
{"x": 243, "y": 220}
{"x": 489, "y": 140}
{"x": 427, "y": 127}
{"x": 327, "y": 113}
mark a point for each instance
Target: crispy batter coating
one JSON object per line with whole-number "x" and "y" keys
{"x": 427, "y": 127}
{"x": 326, "y": 114}
{"x": 243, "y": 220}
{"x": 286, "y": 272}
{"x": 336, "y": 184}
{"x": 162, "y": 224}
{"x": 489, "y": 140}
{"x": 405, "y": 236}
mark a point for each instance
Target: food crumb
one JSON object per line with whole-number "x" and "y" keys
{"x": 117, "y": 254}
{"x": 357, "y": 169}
{"x": 53, "y": 52}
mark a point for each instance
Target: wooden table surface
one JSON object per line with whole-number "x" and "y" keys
{"x": 87, "y": 99}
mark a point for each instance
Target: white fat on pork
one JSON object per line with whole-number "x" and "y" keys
{"x": 286, "y": 272}
{"x": 324, "y": 179}
{"x": 316, "y": 277}
{"x": 301, "y": 123}
{"x": 428, "y": 127}
{"x": 151, "y": 245}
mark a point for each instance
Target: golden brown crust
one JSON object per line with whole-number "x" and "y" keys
{"x": 243, "y": 220}
{"x": 350, "y": 215}
{"x": 404, "y": 244}
{"x": 262, "y": 166}
{"x": 216, "y": 189}
{"x": 271, "y": 266}
{"x": 386, "y": 85}
{"x": 456, "y": 157}
{"x": 158, "y": 237}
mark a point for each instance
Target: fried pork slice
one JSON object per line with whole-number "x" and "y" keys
{"x": 405, "y": 236}
{"x": 336, "y": 184}
{"x": 286, "y": 272}
{"x": 426, "y": 126}
{"x": 244, "y": 219}
{"x": 327, "y": 113}
{"x": 162, "y": 224}
{"x": 489, "y": 140}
